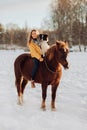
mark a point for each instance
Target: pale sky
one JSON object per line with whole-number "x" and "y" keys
{"x": 20, "y": 12}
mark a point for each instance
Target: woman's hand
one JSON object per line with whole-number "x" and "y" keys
{"x": 41, "y": 59}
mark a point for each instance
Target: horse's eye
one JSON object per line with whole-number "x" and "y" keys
{"x": 61, "y": 49}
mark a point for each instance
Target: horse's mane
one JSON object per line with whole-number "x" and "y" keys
{"x": 51, "y": 49}
{"x": 50, "y": 52}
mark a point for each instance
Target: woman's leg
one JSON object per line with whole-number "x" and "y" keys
{"x": 35, "y": 68}
{"x": 34, "y": 71}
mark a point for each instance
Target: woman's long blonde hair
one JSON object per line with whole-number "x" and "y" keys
{"x": 30, "y": 37}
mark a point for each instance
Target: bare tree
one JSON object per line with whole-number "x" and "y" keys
{"x": 2, "y": 34}
{"x": 68, "y": 20}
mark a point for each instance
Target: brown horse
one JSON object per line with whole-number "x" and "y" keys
{"x": 49, "y": 72}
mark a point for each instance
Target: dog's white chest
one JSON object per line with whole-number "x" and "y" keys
{"x": 44, "y": 47}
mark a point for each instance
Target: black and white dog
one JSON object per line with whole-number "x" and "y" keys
{"x": 44, "y": 43}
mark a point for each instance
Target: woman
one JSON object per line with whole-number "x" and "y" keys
{"x": 35, "y": 54}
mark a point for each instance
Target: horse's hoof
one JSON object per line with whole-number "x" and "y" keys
{"x": 53, "y": 109}
{"x": 20, "y": 103}
{"x": 43, "y": 108}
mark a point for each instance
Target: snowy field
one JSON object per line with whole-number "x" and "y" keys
{"x": 71, "y": 100}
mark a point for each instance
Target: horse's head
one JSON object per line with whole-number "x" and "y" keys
{"x": 62, "y": 51}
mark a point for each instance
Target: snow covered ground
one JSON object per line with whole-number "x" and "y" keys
{"x": 71, "y": 100}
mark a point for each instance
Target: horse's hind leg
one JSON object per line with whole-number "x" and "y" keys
{"x": 23, "y": 84}
{"x": 19, "y": 90}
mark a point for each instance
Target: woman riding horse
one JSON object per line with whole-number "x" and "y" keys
{"x": 35, "y": 54}
{"x": 48, "y": 73}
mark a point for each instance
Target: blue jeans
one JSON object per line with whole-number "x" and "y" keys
{"x": 35, "y": 68}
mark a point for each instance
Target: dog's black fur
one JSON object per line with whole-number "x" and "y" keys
{"x": 43, "y": 37}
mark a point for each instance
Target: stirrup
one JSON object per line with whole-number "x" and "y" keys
{"x": 32, "y": 84}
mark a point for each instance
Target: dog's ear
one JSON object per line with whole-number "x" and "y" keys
{"x": 40, "y": 36}
{"x": 45, "y": 37}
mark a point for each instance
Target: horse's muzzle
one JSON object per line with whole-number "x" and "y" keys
{"x": 66, "y": 65}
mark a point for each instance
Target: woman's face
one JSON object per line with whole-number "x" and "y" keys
{"x": 34, "y": 34}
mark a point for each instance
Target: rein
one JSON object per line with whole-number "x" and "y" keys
{"x": 54, "y": 72}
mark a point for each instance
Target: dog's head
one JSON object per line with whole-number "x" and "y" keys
{"x": 43, "y": 37}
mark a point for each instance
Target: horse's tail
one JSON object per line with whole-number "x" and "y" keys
{"x": 18, "y": 64}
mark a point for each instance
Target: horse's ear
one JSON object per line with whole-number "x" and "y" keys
{"x": 58, "y": 43}
{"x": 65, "y": 41}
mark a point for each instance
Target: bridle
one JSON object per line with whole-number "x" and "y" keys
{"x": 50, "y": 70}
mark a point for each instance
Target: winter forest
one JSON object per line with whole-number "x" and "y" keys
{"x": 67, "y": 20}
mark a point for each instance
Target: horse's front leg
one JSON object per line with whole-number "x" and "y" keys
{"x": 44, "y": 94}
{"x": 54, "y": 88}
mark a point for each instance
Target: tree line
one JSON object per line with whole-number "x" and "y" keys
{"x": 13, "y": 35}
